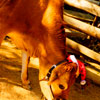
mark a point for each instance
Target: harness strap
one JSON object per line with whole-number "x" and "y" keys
{"x": 51, "y": 69}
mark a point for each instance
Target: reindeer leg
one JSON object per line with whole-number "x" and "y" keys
{"x": 24, "y": 73}
{"x": 45, "y": 88}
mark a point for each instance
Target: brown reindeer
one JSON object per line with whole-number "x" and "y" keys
{"x": 36, "y": 27}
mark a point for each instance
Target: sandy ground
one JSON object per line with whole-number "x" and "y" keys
{"x": 10, "y": 82}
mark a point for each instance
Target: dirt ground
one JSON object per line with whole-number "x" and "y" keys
{"x": 10, "y": 82}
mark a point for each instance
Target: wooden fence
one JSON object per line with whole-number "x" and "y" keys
{"x": 84, "y": 29}
{"x": 82, "y": 26}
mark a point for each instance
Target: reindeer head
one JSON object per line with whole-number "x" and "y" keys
{"x": 62, "y": 77}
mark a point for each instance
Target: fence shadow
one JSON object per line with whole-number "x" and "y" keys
{"x": 10, "y": 69}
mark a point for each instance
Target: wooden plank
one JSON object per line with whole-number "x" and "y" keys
{"x": 95, "y": 2}
{"x": 82, "y": 26}
{"x": 77, "y": 17}
{"x": 95, "y": 65}
{"x": 93, "y": 74}
{"x": 75, "y": 34}
{"x": 82, "y": 49}
{"x": 84, "y": 5}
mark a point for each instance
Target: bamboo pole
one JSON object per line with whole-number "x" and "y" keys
{"x": 84, "y": 27}
{"x": 85, "y": 5}
{"x": 82, "y": 49}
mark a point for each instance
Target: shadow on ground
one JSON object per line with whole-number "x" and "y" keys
{"x": 10, "y": 72}
{"x": 10, "y": 81}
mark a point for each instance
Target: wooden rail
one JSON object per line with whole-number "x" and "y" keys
{"x": 85, "y": 5}
{"x": 82, "y": 49}
{"x": 82, "y": 26}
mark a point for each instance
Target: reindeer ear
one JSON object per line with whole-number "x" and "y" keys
{"x": 53, "y": 77}
{"x": 71, "y": 67}
{"x": 74, "y": 67}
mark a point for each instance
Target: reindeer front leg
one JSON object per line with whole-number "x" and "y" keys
{"x": 24, "y": 73}
{"x": 45, "y": 87}
{"x": 46, "y": 90}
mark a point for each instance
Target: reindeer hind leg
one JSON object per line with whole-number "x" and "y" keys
{"x": 24, "y": 73}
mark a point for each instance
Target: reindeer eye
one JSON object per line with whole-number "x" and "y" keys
{"x": 61, "y": 86}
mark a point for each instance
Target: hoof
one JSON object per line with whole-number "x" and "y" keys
{"x": 28, "y": 87}
{"x": 43, "y": 97}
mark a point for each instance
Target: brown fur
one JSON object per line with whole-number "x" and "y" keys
{"x": 35, "y": 26}
{"x": 64, "y": 75}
